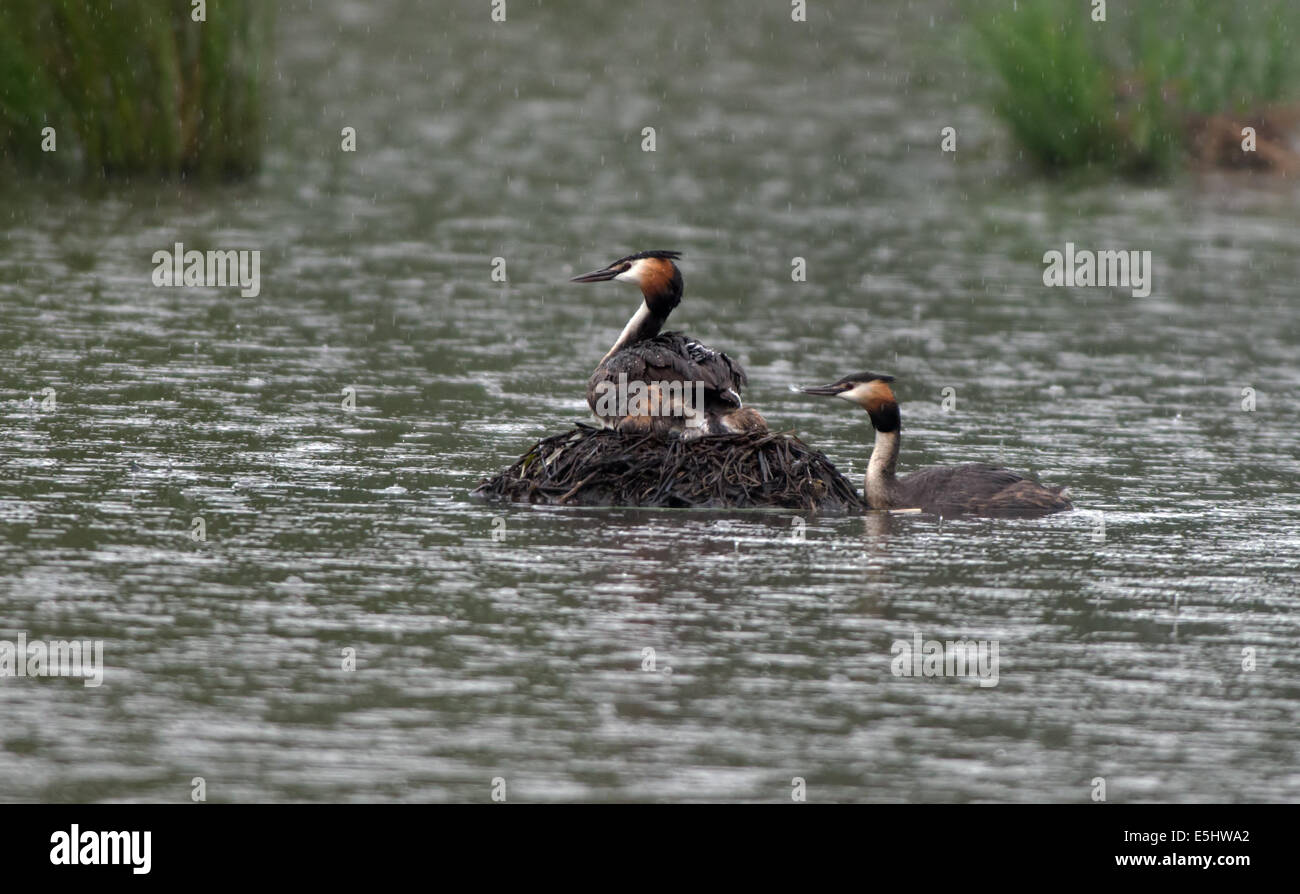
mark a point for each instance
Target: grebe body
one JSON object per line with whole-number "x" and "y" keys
{"x": 970, "y": 489}
{"x": 682, "y": 385}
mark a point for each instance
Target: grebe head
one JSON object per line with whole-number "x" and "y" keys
{"x": 868, "y": 390}
{"x": 653, "y": 271}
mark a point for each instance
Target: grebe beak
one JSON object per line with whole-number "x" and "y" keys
{"x": 829, "y": 390}
{"x": 602, "y": 275}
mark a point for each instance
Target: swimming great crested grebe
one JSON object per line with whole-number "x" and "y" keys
{"x": 971, "y": 489}
{"x": 673, "y": 367}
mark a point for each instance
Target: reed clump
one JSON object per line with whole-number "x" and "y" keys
{"x": 1153, "y": 87}
{"x": 133, "y": 87}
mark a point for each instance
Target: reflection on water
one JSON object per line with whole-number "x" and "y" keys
{"x": 524, "y": 654}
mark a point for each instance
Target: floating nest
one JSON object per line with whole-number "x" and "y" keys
{"x": 1216, "y": 140}
{"x": 601, "y": 467}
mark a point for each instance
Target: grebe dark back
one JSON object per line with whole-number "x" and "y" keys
{"x": 971, "y": 489}
{"x": 671, "y": 366}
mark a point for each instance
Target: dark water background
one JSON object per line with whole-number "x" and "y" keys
{"x": 1121, "y": 649}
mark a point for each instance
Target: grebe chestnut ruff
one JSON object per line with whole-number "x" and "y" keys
{"x": 971, "y": 489}
{"x": 670, "y": 365}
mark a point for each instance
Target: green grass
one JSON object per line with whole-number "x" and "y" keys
{"x": 1119, "y": 94}
{"x": 133, "y": 86}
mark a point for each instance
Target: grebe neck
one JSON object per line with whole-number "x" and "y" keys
{"x": 881, "y": 483}
{"x": 645, "y": 323}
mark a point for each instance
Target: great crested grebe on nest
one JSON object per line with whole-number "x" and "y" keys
{"x": 672, "y": 367}
{"x": 688, "y": 442}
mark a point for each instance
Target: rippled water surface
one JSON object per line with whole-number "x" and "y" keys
{"x": 1121, "y": 626}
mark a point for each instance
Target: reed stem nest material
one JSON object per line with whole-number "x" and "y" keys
{"x": 601, "y": 467}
